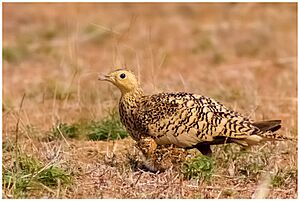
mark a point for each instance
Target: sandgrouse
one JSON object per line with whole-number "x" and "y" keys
{"x": 183, "y": 120}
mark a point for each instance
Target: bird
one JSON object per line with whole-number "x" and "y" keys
{"x": 165, "y": 157}
{"x": 184, "y": 120}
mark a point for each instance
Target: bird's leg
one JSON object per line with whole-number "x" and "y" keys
{"x": 204, "y": 149}
{"x": 148, "y": 147}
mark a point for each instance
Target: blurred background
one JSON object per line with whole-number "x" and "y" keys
{"x": 241, "y": 54}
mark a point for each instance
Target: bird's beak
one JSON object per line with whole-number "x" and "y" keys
{"x": 103, "y": 77}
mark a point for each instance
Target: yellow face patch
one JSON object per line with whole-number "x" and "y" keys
{"x": 123, "y": 79}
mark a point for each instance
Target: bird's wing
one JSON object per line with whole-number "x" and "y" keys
{"x": 186, "y": 119}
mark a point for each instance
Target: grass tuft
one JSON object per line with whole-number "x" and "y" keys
{"x": 7, "y": 145}
{"x": 110, "y": 128}
{"x": 282, "y": 177}
{"x": 52, "y": 175}
{"x": 28, "y": 174}
{"x": 200, "y": 167}
{"x": 67, "y": 130}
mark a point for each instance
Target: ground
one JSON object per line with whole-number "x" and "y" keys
{"x": 241, "y": 54}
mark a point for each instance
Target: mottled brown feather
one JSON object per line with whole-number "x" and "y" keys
{"x": 185, "y": 119}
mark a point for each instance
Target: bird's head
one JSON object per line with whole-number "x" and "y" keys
{"x": 125, "y": 80}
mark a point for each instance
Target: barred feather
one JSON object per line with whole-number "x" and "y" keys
{"x": 184, "y": 119}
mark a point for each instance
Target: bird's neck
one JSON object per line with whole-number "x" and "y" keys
{"x": 131, "y": 98}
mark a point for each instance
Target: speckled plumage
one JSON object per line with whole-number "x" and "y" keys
{"x": 184, "y": 119}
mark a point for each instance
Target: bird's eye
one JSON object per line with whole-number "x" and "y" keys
{"x": 122, "y": 76}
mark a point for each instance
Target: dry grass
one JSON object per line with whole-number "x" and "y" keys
{"x": 242, "y": 54}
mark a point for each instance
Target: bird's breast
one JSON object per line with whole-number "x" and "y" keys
{"x": 128, "y": 119}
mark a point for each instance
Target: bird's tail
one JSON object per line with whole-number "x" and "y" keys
{"x": 271, "y": 125}
{"x": 266, "y": 133}
{"x": 268, "y": 129}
